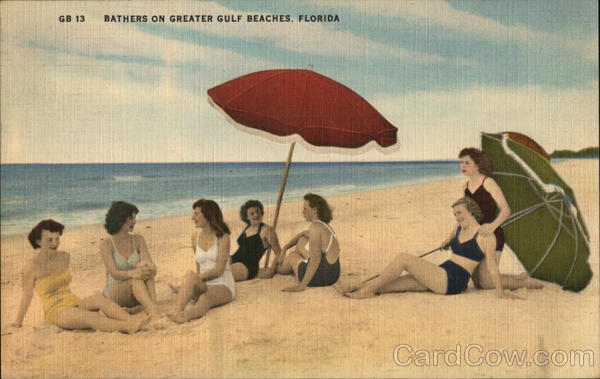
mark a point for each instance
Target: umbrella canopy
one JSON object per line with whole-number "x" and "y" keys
{"x": 546, "y": 230}
{"x": 302, "y": 106}
{"x": 290, "y": 103}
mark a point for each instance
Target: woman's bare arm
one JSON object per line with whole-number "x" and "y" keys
{"x": 111, "y": 267}
{"x": 27, "y": 283}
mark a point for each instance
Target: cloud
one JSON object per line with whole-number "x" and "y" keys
{"x": 441, "y": 13}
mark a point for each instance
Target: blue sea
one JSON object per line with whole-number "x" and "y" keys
{"x": 78, "y": 194}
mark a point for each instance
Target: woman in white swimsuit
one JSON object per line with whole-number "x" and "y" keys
{"x": 129, "y": 268}
{"x": 212, "y": 284}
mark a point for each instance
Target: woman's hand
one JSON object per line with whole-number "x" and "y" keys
{"x": 148, "y": 269}
{"x": 297, "y": 288}
{"x": 486, "y": 229}
{"x": 266, "y": 273}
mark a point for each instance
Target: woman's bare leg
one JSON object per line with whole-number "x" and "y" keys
{"x": 294, "y": 259}
{"x": 142, "y": 295}
{"x": 424, "y": 272}
{"x": 191, "y": 288}
{"x": 75, "y": 318}
{"x": 214, "y": 297}
{"x": 105, "y": 305}
{"x": 239, "y": 271}
{"x": 483, "y": 280}
{"x": 151, "y": 285}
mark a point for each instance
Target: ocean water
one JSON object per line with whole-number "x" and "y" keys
{"x": 77, "y": 194}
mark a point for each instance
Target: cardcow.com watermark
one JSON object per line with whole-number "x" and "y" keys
{"x": 477, "y": 355}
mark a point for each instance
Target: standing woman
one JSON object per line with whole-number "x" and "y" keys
{"x": 316, "y": 259}
{"x": 476, "y": 166}
{"x": 212, "y": 284}
{"x": 256, "y": 238}
{"x": 130, "y": 271}
{"x": 47, "y": 273}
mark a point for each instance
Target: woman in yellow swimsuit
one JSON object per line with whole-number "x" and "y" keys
{"x": 47, "y": 273}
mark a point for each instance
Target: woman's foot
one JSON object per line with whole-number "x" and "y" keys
{"x": 363, "y": 292}
{"x": 534, "y": 284}
{"x": 137, "y": 324}
{"x": 178, "y": 317}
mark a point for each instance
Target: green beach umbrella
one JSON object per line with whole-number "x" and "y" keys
{"x": 545, "y": 229}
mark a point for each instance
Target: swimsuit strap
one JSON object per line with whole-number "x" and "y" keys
{"x": 259, "y": 228}
{"x": 114, "y": 245}
{"x": 483, "y": 181}
{"x": 330, "y": 236}
{"x": 197, "y": 239}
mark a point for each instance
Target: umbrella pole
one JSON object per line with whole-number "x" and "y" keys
{"x": 280, "y": 196}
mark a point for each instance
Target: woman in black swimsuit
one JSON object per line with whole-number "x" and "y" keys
{"x": 256, "y": 238}
{"x": 316, "y": 258}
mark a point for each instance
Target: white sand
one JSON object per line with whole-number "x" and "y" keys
{"x": 316, "y": 333}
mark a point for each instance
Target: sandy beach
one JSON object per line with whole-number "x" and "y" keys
{"x": 318, "y": 332}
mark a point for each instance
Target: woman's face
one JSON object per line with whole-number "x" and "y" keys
{"x": 254, "y": 215}
{"x": 129, "y": 223}
{"x": 308, "y": 212}
{"x": 199, "y": 219}
{"x": 468, "y": 166}
{"x": 49, "y": 240}
{"x": 461, "y": 214}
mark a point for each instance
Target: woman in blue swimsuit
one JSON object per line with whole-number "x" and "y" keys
{"x": 316, "y": 259}
{"x": 129, "y": 268}
{"x": 468, "y": 246}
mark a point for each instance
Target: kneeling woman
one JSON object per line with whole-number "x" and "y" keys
{"x": 252, "y": 243}
{"x": 48, "y": 274}
{"x": 316, "y": 258}
{"x": 212, "y": 284}
{"x": 468, "y": 246}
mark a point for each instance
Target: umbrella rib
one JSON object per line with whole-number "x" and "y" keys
{"x": 551, "y": 244}
{"x": 522, "y": 213}
{"x": 575, "y": 255}
{"x": 254, "y": 85}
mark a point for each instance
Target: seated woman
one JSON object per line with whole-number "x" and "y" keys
{"x": 129, "y": 268}
{"x": 48, "y": 274}
{"x": 468, "y": 246}
{"x": 316, "y": 259}
{"x": 212, "y": 284}
{"x": 252, "y": 243}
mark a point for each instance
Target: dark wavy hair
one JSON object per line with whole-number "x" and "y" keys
{"x": 36, "y": 233}
{"x": 471, "y": 206}
{"x": 480, "y": 158}
{"x": 117, "y": 214}
{"x": 212, "y": 213}
{"x": 323, "y": 210}
{"x": 250, "y": 204}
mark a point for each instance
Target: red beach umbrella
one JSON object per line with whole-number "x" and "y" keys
{"x": 302, "y": 106}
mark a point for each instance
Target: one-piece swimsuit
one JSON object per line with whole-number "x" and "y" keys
{"x": 122, "y": 264}
{"x": 327, "y": 273}
{"x": 488, "y": 207}
{"x": 207, "y": 260}
{"x": 250, "y": 251}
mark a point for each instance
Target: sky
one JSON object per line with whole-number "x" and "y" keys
{"x": 441, "y": 71}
